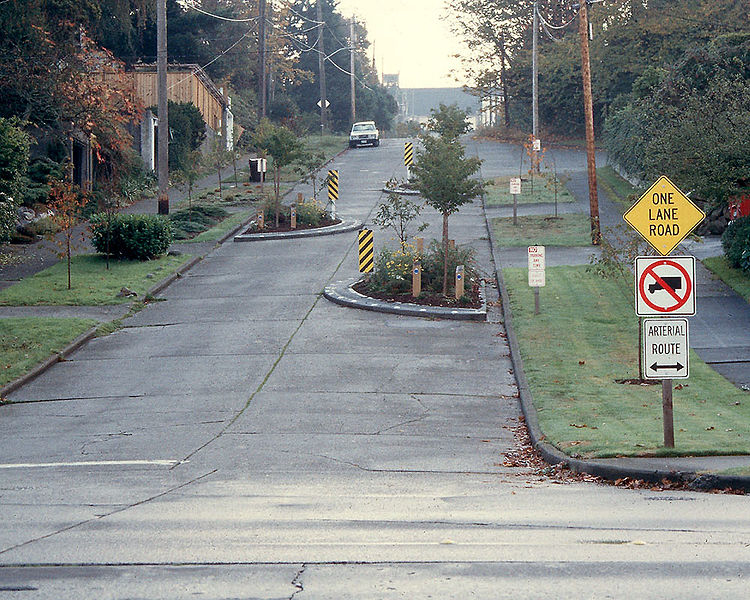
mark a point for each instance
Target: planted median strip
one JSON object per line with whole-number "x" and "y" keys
{"x": 585, "y": 340}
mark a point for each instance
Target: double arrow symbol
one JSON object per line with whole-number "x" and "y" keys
{"x": 657, "y": 367}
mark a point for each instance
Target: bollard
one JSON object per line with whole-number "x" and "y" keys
{"x": 451, "y": 244}
{"x": 459, "y": 281}
{"x": 300, "y": 198}
{"x": 420, "y": 245}
{"x": 261, "y": 219}
{"x": 293, "y": 215}
{"x": 366, "y": 250}
{"x": 333, "y": 190}
{"x": 416, "y": 279}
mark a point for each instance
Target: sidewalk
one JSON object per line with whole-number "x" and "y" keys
{"x": 42, "y": 254}
{"x": 720, "y": 334}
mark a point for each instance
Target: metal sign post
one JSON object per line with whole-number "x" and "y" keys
{"x": 537, "y": 272}
{"x": 515, "y": 190}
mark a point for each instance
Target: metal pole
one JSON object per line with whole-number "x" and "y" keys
{"x": 262, "y": 94}
{"x": 666, "y": 403}
{"x": 163, "y": 135}
{"x": 536, "y": 301}
{"x": 535, "y": 75}
{"x": 322, "y": 70}
{"x": 583, "y": 30}
{"x": 352, "y": 42}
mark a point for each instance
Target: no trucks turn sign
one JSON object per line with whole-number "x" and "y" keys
{"x": 664, "y": 216}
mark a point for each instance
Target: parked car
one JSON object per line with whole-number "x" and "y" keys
{"x": 364, "y": 133}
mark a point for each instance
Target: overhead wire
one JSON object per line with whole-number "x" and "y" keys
{"x": 193, "y": 6}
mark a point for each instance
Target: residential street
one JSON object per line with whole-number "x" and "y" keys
{"x": 246, "y": 438}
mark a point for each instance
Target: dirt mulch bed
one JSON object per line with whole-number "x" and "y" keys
{"x": 286, "y": 227}
{"x": 426, "y": 299}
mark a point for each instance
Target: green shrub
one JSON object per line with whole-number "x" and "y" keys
{"x": 432, "y": 266}
{"x": 391, "y": 273}
{"x": 189, "y": 221}
{"x": 133, "y": 237}
{"x": 736, "y": 243}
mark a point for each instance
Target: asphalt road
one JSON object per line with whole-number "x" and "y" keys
{"x": 246, "y": 438}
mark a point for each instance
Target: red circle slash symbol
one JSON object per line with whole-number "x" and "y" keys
{"x": 666, "y": 285}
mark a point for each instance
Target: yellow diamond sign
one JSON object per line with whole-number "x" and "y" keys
{"x": 664, "y": 216}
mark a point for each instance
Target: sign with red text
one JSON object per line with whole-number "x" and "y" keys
{"x": 537, "y": 277}
{"x": 664, "y": 216}
{"x": 664, "y": 286}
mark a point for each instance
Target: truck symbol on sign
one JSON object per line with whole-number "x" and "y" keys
{"x": 673, "y": 282}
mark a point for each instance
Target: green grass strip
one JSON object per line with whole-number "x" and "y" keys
{"x": 25, "y": 342}
{"x": 566, "y": 230}
{"x": 92, "y": 283}
{"x": 737, "y": 279}
{"x": 497, "y": 192}
{"x": 619, "y": 189}
{"x": 585, "y": 339}
{"x": 220, "y": 229}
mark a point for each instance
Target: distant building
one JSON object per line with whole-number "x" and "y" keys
{"x": 416, "y": 104}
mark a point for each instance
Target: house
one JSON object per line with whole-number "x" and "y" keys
{"x": 185, "y": 83}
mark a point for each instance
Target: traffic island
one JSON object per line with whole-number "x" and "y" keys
{"x": 343, "y": 293}
{"x": 258, "y": 236}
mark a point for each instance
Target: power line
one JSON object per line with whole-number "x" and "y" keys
{"x": 191, "y": 4}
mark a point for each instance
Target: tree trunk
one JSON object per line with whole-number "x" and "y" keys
{"x": 276, "y": 190}
{"x": 445, "y": 254}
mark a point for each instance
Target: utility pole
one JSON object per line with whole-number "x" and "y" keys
{"x": 583, "y": 30}
{"x": 262, "y": 59}
{"x": 322, "y": 70}
{"x": 535, "y": 75}
{"x": 163, "y": 133}
{"x": 352, "y": 92}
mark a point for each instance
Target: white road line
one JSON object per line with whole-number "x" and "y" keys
{"x": 92, "y": 463}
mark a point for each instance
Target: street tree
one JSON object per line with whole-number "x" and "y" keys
{"x": 284, "y": 148}
{"x": 445, "y": 178}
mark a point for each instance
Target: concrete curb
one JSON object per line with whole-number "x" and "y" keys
{"x": 343, "y": 227}
{"x": 693, "y": 479}
{"x": 401, "y": 191}
{"x": 341, "y": 292}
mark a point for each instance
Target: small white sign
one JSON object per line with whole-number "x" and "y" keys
{"x": 327, "y": 104}
{"x": 515, "y": 186}
{"x": 537, "y": 145}
{"x": 537, "y": 266}
{"x": 665, "y": 349}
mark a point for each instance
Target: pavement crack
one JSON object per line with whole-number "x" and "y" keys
{"x": 297, "y": 582}
{"x": 110, "y": 513}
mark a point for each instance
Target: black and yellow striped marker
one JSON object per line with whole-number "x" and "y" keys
{"x": 408, "y": 154}
{"x": 333, "y": 186}
{"x": 366, "y": 253}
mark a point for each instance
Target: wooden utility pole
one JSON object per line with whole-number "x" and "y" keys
{"x": 163, "y": 134}
{"x": 262, "y": 94}
{"x": 352, "y": 91}
{"x": 535, "y": 75}
{"x": 583, "y": 30}
{"x": 322, "y": 70}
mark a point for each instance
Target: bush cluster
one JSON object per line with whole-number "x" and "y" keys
{"x": 192, "y": 220}
{"x": 391, "y": 272}
{"x": 310, "y": 214}
{"x": 132, "y": 237}
{"x": 736, "y": 243}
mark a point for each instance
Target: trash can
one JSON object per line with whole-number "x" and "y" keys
{"x": 257, "y": 169}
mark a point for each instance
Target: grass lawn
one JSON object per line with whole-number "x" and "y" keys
{"x": 737, "y": 279}
{"x": 565, "y": 230}
{"x": 92, "y": 283}
{"x": 497, "y": 192}
{"x": 620, "y": 190}
{"x": 25, "y": 342}
{"x": 585, "y": 339}
{"x": 219, "y": 230}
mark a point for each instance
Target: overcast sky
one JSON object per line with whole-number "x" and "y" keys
{"x": 411, "y": 37}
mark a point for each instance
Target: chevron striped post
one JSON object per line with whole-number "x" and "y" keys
{"x": 366, "y": 251}
{"x": 333, "y": 190}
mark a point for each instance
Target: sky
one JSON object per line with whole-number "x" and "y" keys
{"x": 411, "y": 37}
